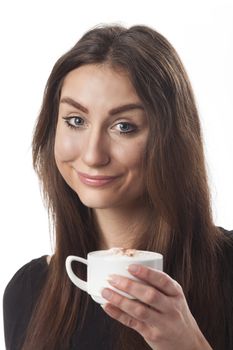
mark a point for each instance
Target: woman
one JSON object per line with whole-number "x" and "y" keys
{"x": 118, "y": 150}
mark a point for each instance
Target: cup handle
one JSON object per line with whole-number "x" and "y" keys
{"x": 75, "y": 279}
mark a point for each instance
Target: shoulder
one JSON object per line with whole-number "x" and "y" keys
{"x": 228, "y": 233}
{"x": 228, "y": 240}
{"x": 27, "y": 276}
{"x": 226, "y": 282}
{"x": 20, "y": 296}
{"x": 227, "y": 245}
{"x": 226, "y": 261}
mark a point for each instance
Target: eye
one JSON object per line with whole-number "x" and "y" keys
{"x": 125, "y": 127}
{"x": 74, "y": 121}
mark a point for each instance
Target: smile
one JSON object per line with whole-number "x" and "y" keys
{"x": 96, "y": 181}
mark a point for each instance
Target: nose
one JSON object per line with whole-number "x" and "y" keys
{"x": 95, "y": 151}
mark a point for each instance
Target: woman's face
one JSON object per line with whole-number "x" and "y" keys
{"x": 101, "y": 136}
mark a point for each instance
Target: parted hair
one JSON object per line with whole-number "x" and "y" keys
{"x": 181, "y": 225}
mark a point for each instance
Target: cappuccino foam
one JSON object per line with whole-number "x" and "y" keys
{"x": 124, "y": 253}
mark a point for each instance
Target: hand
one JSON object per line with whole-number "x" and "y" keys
{"x": 160, "y": 312}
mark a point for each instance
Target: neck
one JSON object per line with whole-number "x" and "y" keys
{"x": 120, "y": 227}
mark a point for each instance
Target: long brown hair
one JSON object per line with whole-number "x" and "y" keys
{"x": 181, "y": 226}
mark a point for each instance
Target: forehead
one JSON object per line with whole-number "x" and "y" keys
{"x": 100, "y": 84}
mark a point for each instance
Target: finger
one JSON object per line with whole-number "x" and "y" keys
{"x": 159, "y": 279}
{"x": 120, "y": 316}
{"x": 150, "y": 334}
{"x": 133, "y": 308}
{"x": 143, "y": 292}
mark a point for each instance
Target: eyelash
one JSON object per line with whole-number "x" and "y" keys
{"x": 67, "y": 121}
{"x": 134, "y": 128}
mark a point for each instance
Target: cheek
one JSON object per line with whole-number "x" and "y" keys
{"x": 66, "y": 147}
{"x": 130, "y": 156}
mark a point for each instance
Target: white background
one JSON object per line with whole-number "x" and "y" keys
{"x": 33, "y": 36}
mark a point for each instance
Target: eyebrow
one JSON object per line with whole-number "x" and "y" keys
{"x": 120, "y": 109}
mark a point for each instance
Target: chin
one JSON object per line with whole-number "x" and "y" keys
{"x": 97, "y": 203}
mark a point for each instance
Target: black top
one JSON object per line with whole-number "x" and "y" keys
{"x": 20, "y": 298}
{"x": 21, "y": 295}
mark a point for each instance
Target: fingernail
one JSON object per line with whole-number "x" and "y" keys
{"x": 133, "y": 268}
{"x": 112, "y": 279}
{"x": 106, "y": 293}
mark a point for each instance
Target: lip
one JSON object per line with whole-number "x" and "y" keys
{"x": 96, "y": 180}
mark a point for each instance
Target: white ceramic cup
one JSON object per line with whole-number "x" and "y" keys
{"x": 102, "y": 263}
